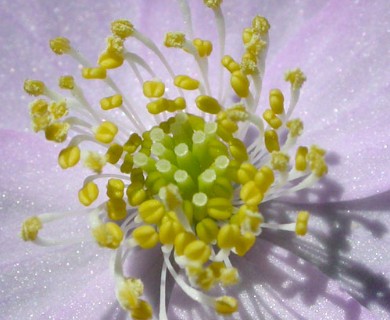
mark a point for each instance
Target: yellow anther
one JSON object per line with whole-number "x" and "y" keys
{"x": 186, "y": 82}
{"x": 136, "y": 194}
{"x": 106, "y": 132}
{"x": 111, "y": 102}
{"x": 40, "y": 115}
{"x": 151, "y": 211}
{"x": 204, "y": 278}
{"x": 158, "y": 106}
{"x": 66, "y": 82}
{"x": 255, "y": 45}
{"x": 57, "y": 131}
{"x": 182, "y": 240}
{"x": 295, "y": 127}
{"x": 240, "y": 83}
{"x": 169, "y": 229}
{"x": 208, "y": 104}
{"x": 60, "y": 45}
{"x": 88, "y": 193}
{"x": 279, "y": 161}
{"x": 245, "y": 242}
{"x": 229, "y": 63}
{"x": 238, "y": 150}
{"x": 317, "y": 161}
{"x": 207, "y": 230}
{"x": 260, "y": 25}
{"x": 249, "y": 64}
{"x": 237, "y": 113}
{"x": 228, "y": 236}
{"x": 271, "y": 140}
{"x": 122, "y": 28}
{"x": 250, "y": 194}
{"x": 143, "y": 311}
{"x": 204, "y": 47}
{"x": 115, "y": 189}
{"x": 145, "y": 236}
{"x": 69, "y": 157}
{"x": 247, "y": 35}
{"x": 300, "y": 159}
{"x": 115, "y": 45}
{"x": 30, "y": 228}
{"x": 228, "y": 125}
{"x": 302, "y": 221}
{"x": 319, "y": 167}
{"x": 219, "y": 208}
{"x": 174, "y": 40}
{"x": 108, "y": 235}
{"x": 177, "y": 104}
{"x": 197, "y": 251}
{"x": 58, "y": 109}
{"x": 226, "y": 305}
{"x": 264, "y": 178}
{"x": 272, "y": 119}
{"x": 153, "y": 89}
{"x": 129, "y": 292}
{"x": 229, "y": 276}
{"x": 248, "y": 218}
{"x": 296, "y": 78}
{"x": 94, "y": 73}
{"x": 38, "y": 108}
{"x": 34, "y": 87}
{"x": 116, "y": 209}
{"x": 213, "y": 4}
{"x": 114, "y": 153}
{"x": 94, "y": 161}
{"x": 132, "y": 143}
{"x": 110, "y": 59}
{"x": 246, "y": 172}
{"x": 276, "y": 101}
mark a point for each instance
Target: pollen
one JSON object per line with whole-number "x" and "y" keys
{"x": 182, "y": 164}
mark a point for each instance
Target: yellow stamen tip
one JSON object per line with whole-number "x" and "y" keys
{"x": 302, "y": 221}
{"x": 174, "y": 40}
{"x": 296, "y": 78}
{"x": 153, "y": 89}
{"x": 186, "y": 82}
{"x": 34, "y": 87}
{"x": 240, "y": 83}
{"x": 106, "y": 132}
{"x": 111, "y": 102}
{"x": 57, "y": 131}
{"x": 204, "y": 47}
{"x": 208, "y": 104}
{"x": 122, "y": 28}
{"x": 145, "y": 236}
{"x": 94, "y": 73}
{"x": 108, "y": 235}
{"x": 60, "y": 45}
{"x": 213, "y": 4}
{"x": 30, "y": 228}
{"x": 69, "y": 157}
{"x": 226, "y": 305}
{"x": 88, "y": 194}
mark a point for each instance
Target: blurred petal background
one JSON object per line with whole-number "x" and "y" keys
{"x": 338, "y": 270}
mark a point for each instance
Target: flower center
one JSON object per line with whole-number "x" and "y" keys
{"x": 189, "y": 182}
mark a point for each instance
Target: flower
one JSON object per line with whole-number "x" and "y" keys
{"x": 354, "y": 308}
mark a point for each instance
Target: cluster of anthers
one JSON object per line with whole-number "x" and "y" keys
{"x": 189, "y": 183}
